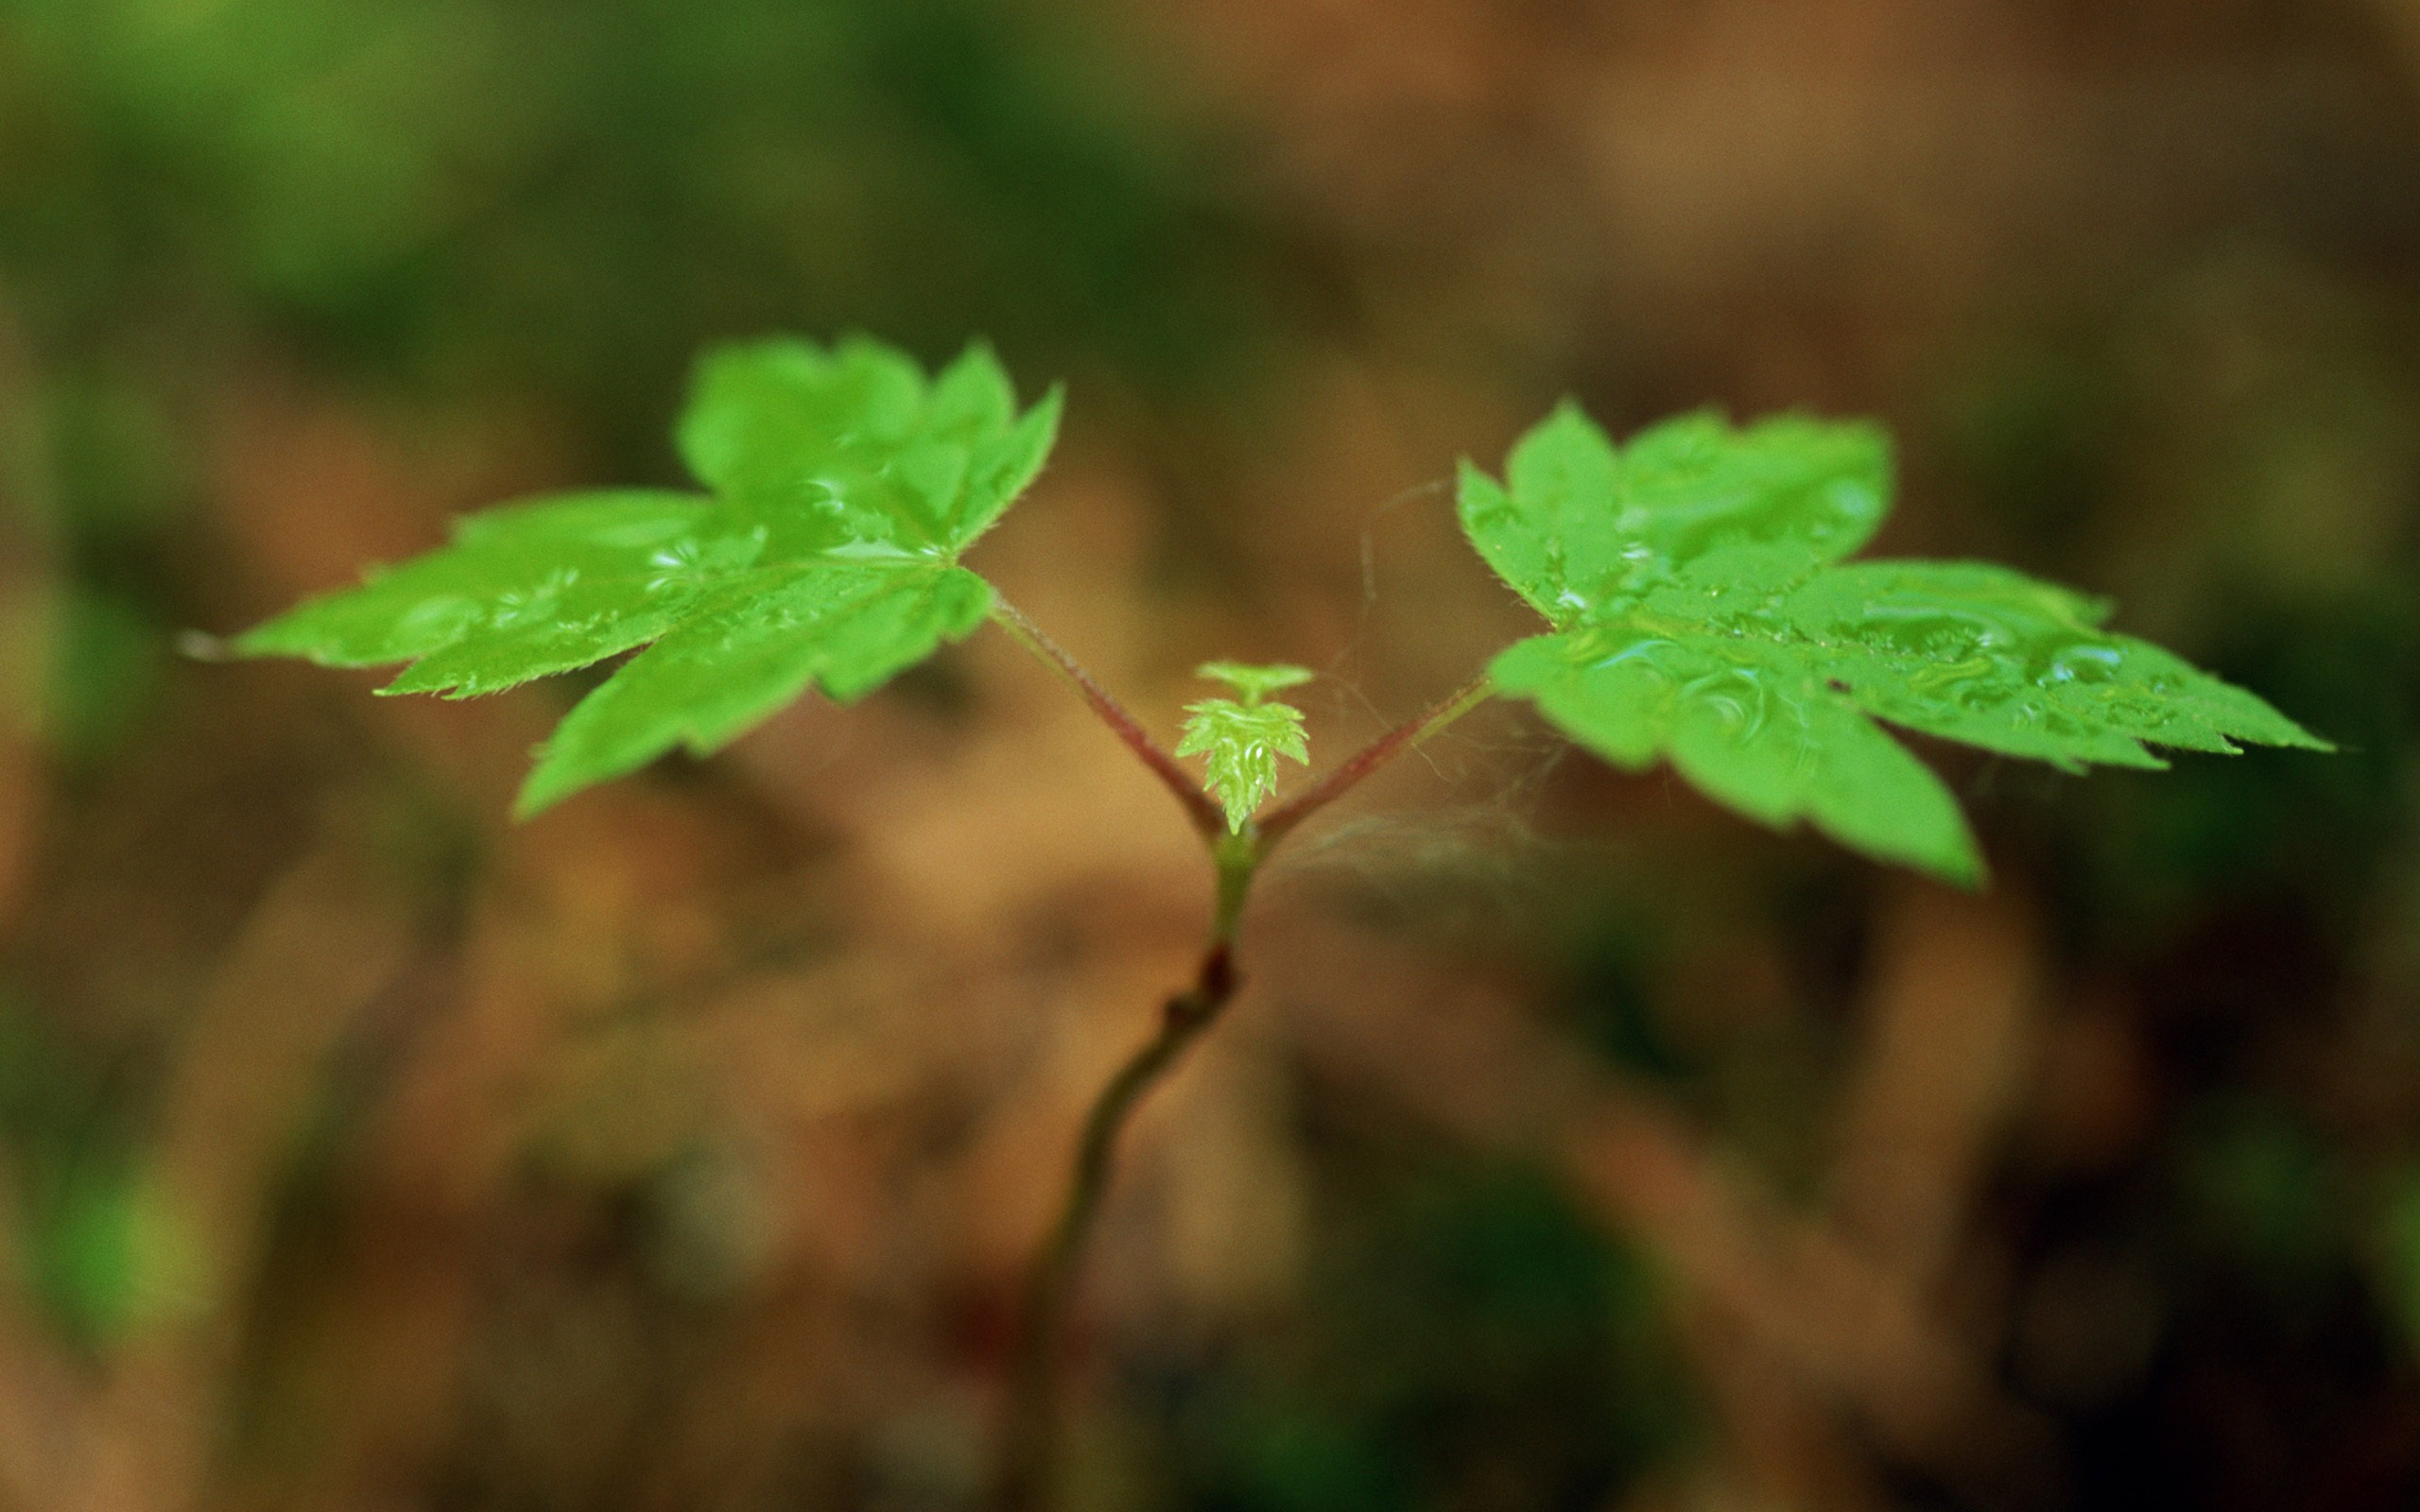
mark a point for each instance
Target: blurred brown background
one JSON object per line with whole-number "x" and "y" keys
{"x": 1576, "y": 1146}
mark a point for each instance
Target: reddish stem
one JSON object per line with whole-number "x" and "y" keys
{"x": 1030, "y": 1442}
{"x": 1200, "y": 807}
{"x": 1031, "y": 1434}
{"x": 1348, "y": 773}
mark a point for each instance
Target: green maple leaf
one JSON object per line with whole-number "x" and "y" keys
{"x": 1702, "y": 614}
{"x": 1240, "y": 742}
{"x": 845, "y": 486}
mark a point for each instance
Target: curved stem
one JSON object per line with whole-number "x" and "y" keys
{"x": 1029, "y": 1455}
{"x": 1199, "y": 806}
{"x": 1030, "y": 1433}
{"x": 1348, "y": 773}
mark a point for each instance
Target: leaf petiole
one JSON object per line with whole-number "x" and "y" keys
{"x": 1207, "y": 817}
{"x": 1348, "y": 774}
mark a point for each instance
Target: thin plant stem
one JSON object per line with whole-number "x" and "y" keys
{"x": 1348, "y": 774}
{"x": 1031, "y": 1447}
{"x": 1199, "y": 806}
{"x": 1030, "y": 1434}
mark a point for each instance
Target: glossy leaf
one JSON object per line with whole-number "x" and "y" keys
{"x": 1241, "y": 742}
{"x": 856, "y": 436}
{"x": 1704, "y": 616}
{"x": 845, "y": 487}
{"x": 1578, "y": 525}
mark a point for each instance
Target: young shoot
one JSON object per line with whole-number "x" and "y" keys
{"x": 1240, "y": 740}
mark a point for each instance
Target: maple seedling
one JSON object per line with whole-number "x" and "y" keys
{"x": 1700, "y": 605}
